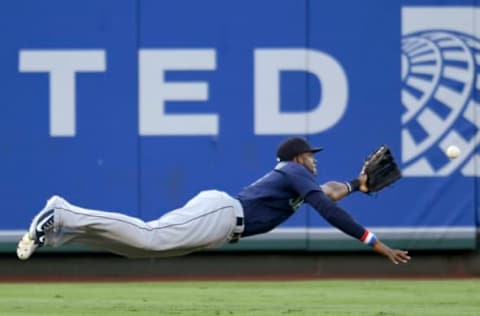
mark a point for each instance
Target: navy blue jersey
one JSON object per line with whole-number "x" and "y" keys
{"x": 272, "y": 199}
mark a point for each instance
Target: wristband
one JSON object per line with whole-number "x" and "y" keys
{"x": 368, "y": 238}
{"x": 353, "y": 185}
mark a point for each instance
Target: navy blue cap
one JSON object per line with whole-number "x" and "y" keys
{"x": 294, "y": 146}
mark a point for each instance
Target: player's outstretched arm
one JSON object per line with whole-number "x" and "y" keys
{"x": 342, "y": 220}
{"x": 336, "y": 190}
{"x": 395, "y": 255}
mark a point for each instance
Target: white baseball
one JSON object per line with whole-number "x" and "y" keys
{"x": 453, "y": 151}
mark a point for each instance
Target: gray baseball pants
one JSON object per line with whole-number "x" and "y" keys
{"x": 209, "y": 220}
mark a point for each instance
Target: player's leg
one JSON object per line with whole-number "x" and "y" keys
{"x": 60, "y": 222}
{"x": 35, "y": 236}
{"x": 205, "y": 221}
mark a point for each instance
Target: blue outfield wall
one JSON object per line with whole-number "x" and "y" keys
{"x": 136, "y": 105}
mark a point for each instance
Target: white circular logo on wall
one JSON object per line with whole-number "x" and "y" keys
{"x": 441, "y": 98}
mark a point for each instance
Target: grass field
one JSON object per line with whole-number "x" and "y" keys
{"x": 332, "y": 297}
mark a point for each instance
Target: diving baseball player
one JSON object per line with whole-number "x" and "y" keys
{"x": 210, "y": 219}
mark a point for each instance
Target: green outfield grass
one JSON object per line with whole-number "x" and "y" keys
{"x": 344, "y": 297}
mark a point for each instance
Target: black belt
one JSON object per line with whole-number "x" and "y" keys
{"x": 240, "y": 221}
{"x": 236, "y": 236}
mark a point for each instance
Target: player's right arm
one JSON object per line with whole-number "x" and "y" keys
{"x": 304, "y": 183}
{"x": 395, "y": 255}
{"x": 341, "y": 219}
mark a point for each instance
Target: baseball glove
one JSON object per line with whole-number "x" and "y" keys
{"x": 381, "y": 169}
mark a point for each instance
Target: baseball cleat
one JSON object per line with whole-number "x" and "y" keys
{"x": 26, "y": 247}
{"x": 44, "y": 220}
{"x": 41, "y": 223}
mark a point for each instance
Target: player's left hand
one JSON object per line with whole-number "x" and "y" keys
{"x": 381, "y": 170}
{"x": 363, "y": 178}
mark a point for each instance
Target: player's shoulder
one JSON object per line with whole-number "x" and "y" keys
{"x": 292, "y": 168}
{"x": 285, "y": 165}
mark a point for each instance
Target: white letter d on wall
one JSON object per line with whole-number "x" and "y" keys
{"x": 334, "y": 86}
